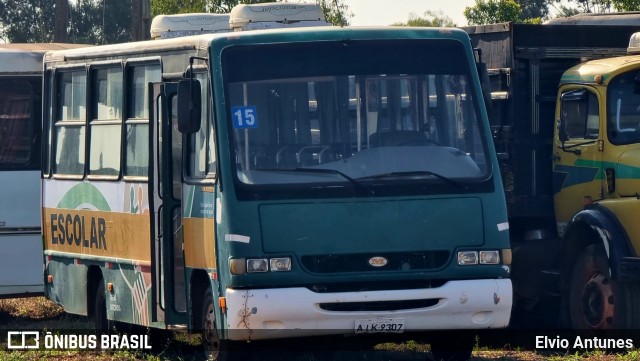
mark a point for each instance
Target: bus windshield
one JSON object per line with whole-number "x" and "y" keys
{"x": 353, "y": 114}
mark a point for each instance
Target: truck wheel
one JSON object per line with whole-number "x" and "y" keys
{"x": 592, "y": 295}
{"x": 215, "y": 349}
{"x": 452, "y": 347}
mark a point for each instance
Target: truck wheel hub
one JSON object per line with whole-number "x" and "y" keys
{"x": 597, "y": 302}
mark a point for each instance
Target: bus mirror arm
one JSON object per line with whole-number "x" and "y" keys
{"x": 189, "y": 101}
{"x": 485, "y": 83}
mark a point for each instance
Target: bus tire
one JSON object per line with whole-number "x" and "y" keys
{"x": 102, "y": 323}
{"x": 453, "y": 346}
{"x": 215, "y": 348}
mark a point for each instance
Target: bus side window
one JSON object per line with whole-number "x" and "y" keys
{"x": 16, "y": 125}
{"x": 70, "y": 123}
{"x": 137, "y": 118}
{"x": 201, "y": 145}
{"x": 105, "y": 125}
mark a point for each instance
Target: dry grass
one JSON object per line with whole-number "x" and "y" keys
{"x": 35, "y": 308}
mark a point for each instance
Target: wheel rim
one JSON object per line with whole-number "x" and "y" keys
{"x": 597, "y": 302}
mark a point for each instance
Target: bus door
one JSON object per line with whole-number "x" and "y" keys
{"x": 168, "y": 257}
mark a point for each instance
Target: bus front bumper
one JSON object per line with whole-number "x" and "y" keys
{"x": 291, "y": 312}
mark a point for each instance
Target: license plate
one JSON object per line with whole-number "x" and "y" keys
{"x": 380, "y": 325}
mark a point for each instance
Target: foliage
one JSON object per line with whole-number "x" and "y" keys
{"x": 492, "y": 11}
{"x": 336, "y": 12}
{"x": 430, "y": 18}
{"x": 626, "y": 5}
{"x": 100, "y": 21}
{"x": 532, "y": 9}
{"x": 534, "y": 21}
{"x": 27, "y": 20}
{"x": 90, "y": 21}
{"x": 574, "y": 7}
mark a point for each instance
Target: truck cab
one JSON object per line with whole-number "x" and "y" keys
{"x": 596, "y": 172}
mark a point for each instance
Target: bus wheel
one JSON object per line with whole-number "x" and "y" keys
{"x": 214, "y": 347}
{"x": 452, "y": 346}
{"x": 591, "y": 292}
{"x": 102, "y": 324}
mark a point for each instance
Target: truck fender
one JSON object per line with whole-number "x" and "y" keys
{"x": 603, "y": 226}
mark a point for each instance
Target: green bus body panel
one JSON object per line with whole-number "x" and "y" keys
{"x": 373, "y": 226}
{"x": 69, "y": 288}
{"x": 130, "y": 300}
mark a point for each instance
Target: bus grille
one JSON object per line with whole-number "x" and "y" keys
{"x": 379, "y": 306}
{"x": 398, "y": 261}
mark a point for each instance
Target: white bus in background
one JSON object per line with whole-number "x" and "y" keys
{"x": 20, "y": 139}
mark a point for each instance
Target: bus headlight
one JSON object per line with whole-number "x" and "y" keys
{"x": 280, "y": 264}
{"x": 257, "y": 265}
{"x": 240, "y": 266}
{"x": 467, "y": 258}
{"x": 489, "y": 257}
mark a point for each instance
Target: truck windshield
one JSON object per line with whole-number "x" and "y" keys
{"x": 623, "y": 109}
{"x": 364, "y": 110}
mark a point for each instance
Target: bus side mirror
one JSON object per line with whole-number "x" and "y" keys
{"x": 189, "y": 106}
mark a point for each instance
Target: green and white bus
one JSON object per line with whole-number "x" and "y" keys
{"x": 275, "y": 183}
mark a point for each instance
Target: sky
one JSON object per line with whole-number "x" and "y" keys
{"x": 386, "y": 12}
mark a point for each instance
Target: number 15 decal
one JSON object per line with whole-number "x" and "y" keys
{"x": 244, "y": 117}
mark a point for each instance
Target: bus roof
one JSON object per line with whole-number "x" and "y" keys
{"x": 26, "y": 58}
{"x": 40, "y": 46}
{"x": 301, "y": 34}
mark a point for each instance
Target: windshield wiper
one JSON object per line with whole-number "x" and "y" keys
{"x": 415, "y": 173}
{"x": 355, "y": 183}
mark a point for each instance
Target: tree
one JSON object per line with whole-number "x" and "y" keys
{"x": 430, "y": 18}
{"x": 492, "y": 11}
{"x": 167, "y": 7}
{"x": 336, "y": 12}
{"x": 533, "y": 9}
{"x": 61, "y": 21}
{"x": 626, "y": 5}
{"x": 26, "y": 21}
{"x": 100, "y": 21}
{"x": 87, "y": 21}
{"x": 574, "y": 7}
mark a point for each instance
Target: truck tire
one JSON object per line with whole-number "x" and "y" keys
{"x": 594, "y": 301}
